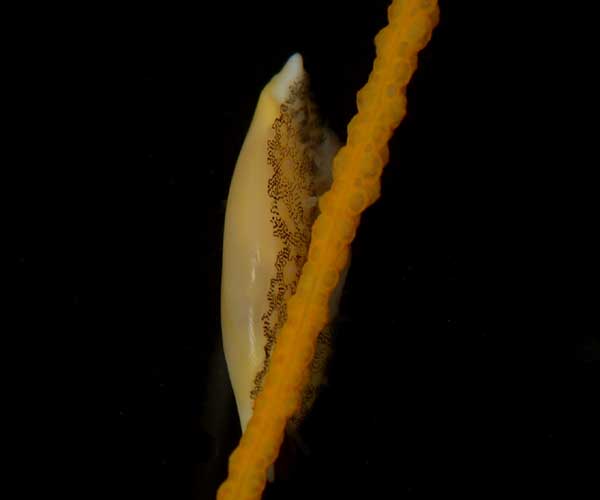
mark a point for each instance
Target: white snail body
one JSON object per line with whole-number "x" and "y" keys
{"x": 284, "y": 165}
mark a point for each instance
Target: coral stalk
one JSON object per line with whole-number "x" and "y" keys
{"x": 357, "y": 171}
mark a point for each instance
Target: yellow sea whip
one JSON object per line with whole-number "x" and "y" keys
{"x": 357, "y": 170}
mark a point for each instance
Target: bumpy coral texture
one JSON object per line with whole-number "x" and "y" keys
{"x": 357, "y": 172}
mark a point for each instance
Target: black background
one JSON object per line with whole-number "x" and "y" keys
{"x": 451, "y": 374}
